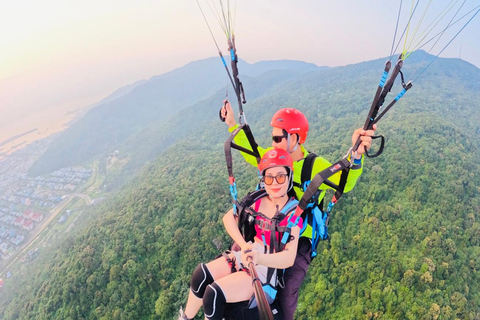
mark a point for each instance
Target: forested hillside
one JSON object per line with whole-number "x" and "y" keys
{"x": 405, "y": 243}
{"x": 138, "y": 111}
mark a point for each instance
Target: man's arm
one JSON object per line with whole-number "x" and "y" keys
{"x": 240, "y": 139}
{"x": 356, "y": 170}
{"x": 321, "y": 164}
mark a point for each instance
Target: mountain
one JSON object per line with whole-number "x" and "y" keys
{"x": 131, "y": 110}
{"x": 404, "y": 244}
{"x": 120, "y": 92}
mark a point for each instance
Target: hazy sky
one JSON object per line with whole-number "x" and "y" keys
{"x": 57, "y": 55}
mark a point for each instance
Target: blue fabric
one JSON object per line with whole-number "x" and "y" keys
{"x": 400, "y": 94}
{"x": 291, "y": 224}
{"x": 223, "y": 60}
{"x": 384, "y": 78}
{"x": 270, "y": 294}
{"x": 234, "y": 193}
{"x": 320, "y": 229}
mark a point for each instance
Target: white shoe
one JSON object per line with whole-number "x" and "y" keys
{"x": 182, "y": 315}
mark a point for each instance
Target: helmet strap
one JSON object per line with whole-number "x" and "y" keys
{"x": 290, "y": 180}
{"x": 288, "y": 144}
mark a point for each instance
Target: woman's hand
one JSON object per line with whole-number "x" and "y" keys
{"x": 251, "y": 255}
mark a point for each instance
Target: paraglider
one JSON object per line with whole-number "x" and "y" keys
{"x": 241, "y": 138}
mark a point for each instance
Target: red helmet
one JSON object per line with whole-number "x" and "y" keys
{"x": 275, "y": 158}
{"x": 292, "y": 121}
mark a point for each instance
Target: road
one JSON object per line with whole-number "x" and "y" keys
{"x": 38, "y": 232}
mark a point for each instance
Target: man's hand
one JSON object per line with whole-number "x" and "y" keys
{"x": 227, "y": 114}
{"x": 365, "y": 138}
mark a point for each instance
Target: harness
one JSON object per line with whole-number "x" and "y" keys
{"x": 314, "y": 215}
{"x": 248, "y": 219}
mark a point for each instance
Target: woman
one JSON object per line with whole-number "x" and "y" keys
{"x": 216, "y": 283}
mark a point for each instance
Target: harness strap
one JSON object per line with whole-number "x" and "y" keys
{"x": 312, "y": 192}
{"x": 229, "y": 144}
{"x": 383, "y": 89}
{"x": 257, "y": 204}
{"x": 231, "y": 262}
{"x": 322, "y": 177}
{"x": 245, "y": 213}
{"x": 380, "y": 150}
{"x": 341, "y": 185}
{"x": 319, "y": 229}
{"x": 307, "y": 168}
{"x": 306, "y": 171}
{"x": 377, "y": 103}
{"x": 275, "y": 246}
{"x": 238, "y": 84}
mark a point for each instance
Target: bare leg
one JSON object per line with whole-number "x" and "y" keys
{"x": 218, "y": 268}
{"x": 236, "y": 286}
{"x": 193, "y": 305}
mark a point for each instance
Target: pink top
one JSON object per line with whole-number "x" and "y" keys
{"x": 266, "y": 226}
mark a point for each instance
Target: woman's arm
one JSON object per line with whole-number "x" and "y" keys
{"x": 279, "y": 260}
{"x": 232, "y": 229}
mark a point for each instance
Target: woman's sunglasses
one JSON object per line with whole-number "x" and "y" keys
{"x": 281, "y": 178}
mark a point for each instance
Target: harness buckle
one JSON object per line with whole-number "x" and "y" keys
{"x": 242, "y": 119}
{"x": 352, "y": 154}
{"x": 231, "y": 262}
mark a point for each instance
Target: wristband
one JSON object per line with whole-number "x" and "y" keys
{"x": 357, "y": 161}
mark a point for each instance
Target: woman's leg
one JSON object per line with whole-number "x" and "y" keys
{"x": 204, "y": 275}
{"x": 231, "y": 288}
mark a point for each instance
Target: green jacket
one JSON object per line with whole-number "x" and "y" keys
{"x": 319, "y": 165}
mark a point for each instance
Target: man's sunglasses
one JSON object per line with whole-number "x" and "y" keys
{"x": 278, "y": 139}
{"x": 281, "y": 178}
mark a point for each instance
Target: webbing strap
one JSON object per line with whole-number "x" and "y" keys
{"x": 228, "y": 145}
{"x": 380, "y": 150}
{"x": 319, "y": 228}
{"x": 406, "y": 87}
{"x": 231, "y": 262}
{"x": 307, "y": 168}
{"x": 238, "y": 84}
{"x": 274, "y": 228}
{"x": 319, "y": 219}
{"x": 246, "y": 214}
{"x": 383, "y": 89}
{"x": 321, "y": 178}
{"x": 377, "y": 103}
{"x": 288, "y": 230}
{"x": 343, "y": 181}
{"x": 306, "y": 173}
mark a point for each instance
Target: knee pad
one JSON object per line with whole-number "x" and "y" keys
{"x": 214, "y": 302}
{"x": 201, "y": 278}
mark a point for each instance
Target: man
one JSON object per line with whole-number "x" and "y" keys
{"x": 290, "y": 129}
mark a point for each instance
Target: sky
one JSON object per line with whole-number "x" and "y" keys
{"x": 60, "y": 56}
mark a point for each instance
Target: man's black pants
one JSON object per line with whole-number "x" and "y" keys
{"x": 294, "y": 276}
